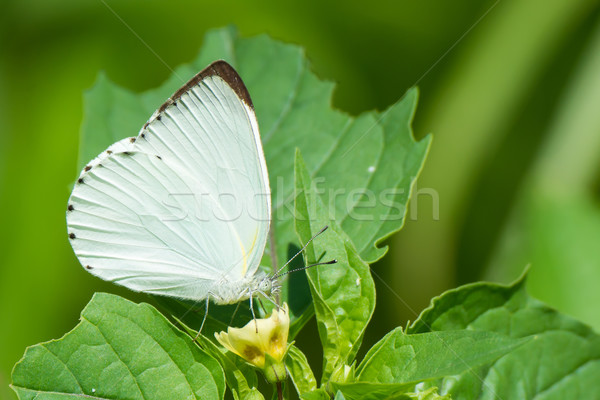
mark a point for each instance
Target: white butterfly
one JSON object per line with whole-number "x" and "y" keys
{"x": 184, "y": 208}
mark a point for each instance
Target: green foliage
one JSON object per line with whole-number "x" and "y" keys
{"x": 477, "y": 341}
{"x": 344, "y": 293}
{"x": 119, "y": 350}
{"x": 562, "y": 361}
{"x": 398, "y": 361}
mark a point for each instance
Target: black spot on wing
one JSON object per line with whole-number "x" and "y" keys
{"x": 80, "y": 181}
{"x": 89, "y": 267}
{"x": 72, "y": 236}
{"x": 87, "y": 168}
{"x": 70, "y": 208}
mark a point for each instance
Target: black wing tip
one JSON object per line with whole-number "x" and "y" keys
{"x": 222, "y": 69}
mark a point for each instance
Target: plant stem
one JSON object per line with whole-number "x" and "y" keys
{"x": 273, "y": 249}
{"x": 279, "y": 391}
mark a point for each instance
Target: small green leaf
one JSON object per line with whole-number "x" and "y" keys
{"x": 428, "y": 394}
{"x": 378, "y": 391}
{"x": 299, "y": 370}
{"x": 373, "y": 391}
{"x": 402, "y": 358}
{"x": 119, "y": 350}
{"x": 343, "y": 293}
{"x": 241, "y": 378}
{"x": 339, "y": 396}
{"x": 562, "y": 362}
{"x": 319, "y": 394}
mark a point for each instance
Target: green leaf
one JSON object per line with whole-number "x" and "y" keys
{"x": 376, "y": 151}
{"x": 119, "y": 350}
{"x": 378, "y": 391}
{"x": 299, "y": 370}
{"x": 402, "y": 358}
{"x": 373, "y": 391}
{"x": 562, "y": 362}
{"x": 240, "y": 377}
{"x": 339, "y": 396}
{"x": 428, "y": 394}
{"x": 343, "y": 293}
{"x": 319, "y": 394}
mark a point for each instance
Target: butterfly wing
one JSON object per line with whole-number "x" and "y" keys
{"x": 187, "y": 205}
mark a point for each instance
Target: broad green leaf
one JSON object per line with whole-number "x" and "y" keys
{"x": 343, "y": 293}
{"x": 299, "y": 370}
{"x": 376, "y": 151}
{"x": 562, "y": 362}
{"x": 119, "y": 350}
{"x": 402, "y": 358}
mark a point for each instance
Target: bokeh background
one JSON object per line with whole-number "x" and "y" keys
{"x": 510, "y": 89}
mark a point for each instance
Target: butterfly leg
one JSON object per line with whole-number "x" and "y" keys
{"x": 205, "y": 315}
{"x": 252, "y": 310}
{"x": 234, "y": 313}
{"x": 262, "y": 305}
{"x": 269, "y": 298}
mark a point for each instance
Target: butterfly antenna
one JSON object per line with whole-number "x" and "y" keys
{"x": 306, "y": 267}
{"x": 299, "y": 252}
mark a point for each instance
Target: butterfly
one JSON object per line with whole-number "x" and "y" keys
{"x": 184, "y": 208}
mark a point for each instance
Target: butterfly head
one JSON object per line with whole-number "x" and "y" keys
{"x": 269, "y": 285}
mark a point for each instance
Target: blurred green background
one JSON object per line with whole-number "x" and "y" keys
{"x": 510, "y": 89}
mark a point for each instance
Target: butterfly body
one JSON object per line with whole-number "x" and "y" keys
{"x": 234, "y": 292}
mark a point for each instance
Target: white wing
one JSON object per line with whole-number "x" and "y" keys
{"x": 187, "y": 205}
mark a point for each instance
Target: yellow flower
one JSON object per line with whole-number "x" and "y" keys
{"x": 262, "y": 342}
